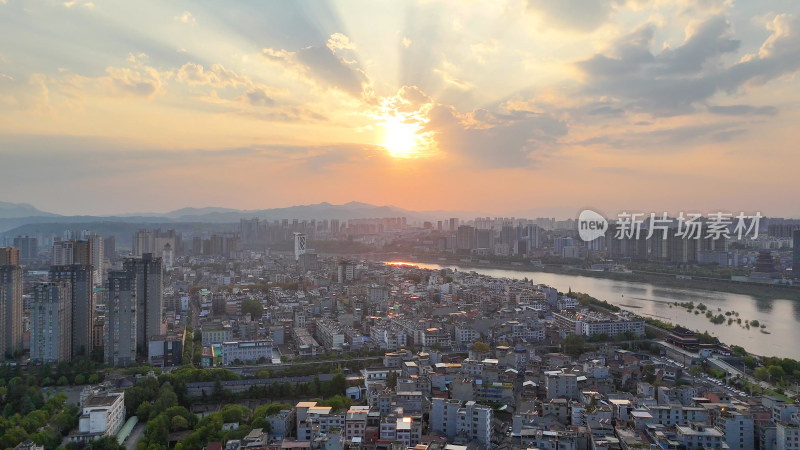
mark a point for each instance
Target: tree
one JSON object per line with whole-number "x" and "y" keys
{"x": 179, "y": 423}
{"x": 253, "y": 307}
{"x": 574, "y": 345}
{"x": 391, "y": 380}
{"x": 338, "y": 384}
{"x": 776, "y": 372}
{"x": 761, "y": 373}
{"x": 480, "y": 347}
{"x": 80, "y": 379}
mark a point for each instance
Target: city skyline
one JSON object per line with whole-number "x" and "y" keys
{"x": 500, "y": 107}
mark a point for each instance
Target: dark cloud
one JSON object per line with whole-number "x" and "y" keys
{"x": 743, "y": 110}
{"x": 674, "y": 138}
{"x": 492, "y": 140}
{"x": 577, "y": 15}
{"x": 674, "y": 81}
{"x": 327, "y": 65}
{"x": 333, "y": 70}
{"x": 257, "y": 97}
{"x": 73, "y": 159}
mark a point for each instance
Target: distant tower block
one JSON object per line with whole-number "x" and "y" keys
{"x": 299, "y": 245}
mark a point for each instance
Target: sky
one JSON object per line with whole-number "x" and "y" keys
{"x": 518, "y": 107}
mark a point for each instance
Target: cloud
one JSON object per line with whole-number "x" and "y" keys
{"x": 743, "y": 110}
{"x": 338, "y": 41}
{"x": 75, "y": 159}
{"x": 578, "y": 15}
{"x": 453, "y": 81}
{"x": 217, "y": 76}
{"x": 186, "y": 18}
{"x": 258, "y": 97}
{"x": 506, "y": 137}
{"x": 326, "y": 66}
{"x": 674, "y": 137}
{"x": 139, "y": 80}
{"x": 672, "y": 81}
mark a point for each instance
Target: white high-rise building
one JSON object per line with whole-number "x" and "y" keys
{"x": 299, "y": 245}
{"x": 63, "y": 253}
{"x": 451, "y": 418}
{"x": 51, "y": 322}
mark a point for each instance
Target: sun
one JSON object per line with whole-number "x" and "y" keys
{"x": 401, "y": 139}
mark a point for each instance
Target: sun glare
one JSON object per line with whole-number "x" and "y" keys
{"x": 400, "y": 138}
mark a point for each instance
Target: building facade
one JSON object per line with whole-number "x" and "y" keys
{"x": 10, "y": 302}
{"x": 51, "y": 322}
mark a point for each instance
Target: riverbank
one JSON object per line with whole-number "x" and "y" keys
{"x": 761, "y": 291}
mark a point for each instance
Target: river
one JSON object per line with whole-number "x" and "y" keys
{"x": 781, "y": 317}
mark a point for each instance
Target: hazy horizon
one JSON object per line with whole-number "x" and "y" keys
{"x": 563, "y": 213}
{"x": 504, "y": 107}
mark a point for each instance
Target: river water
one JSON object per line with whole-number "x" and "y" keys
{"x": 781, "y": 317}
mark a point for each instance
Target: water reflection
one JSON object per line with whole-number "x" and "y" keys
{"x": 780, "y": 316}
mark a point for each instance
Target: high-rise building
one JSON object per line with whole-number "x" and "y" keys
{"x": 248, "y": 230}
{"x": 508, "y": 235}
{"x": 560, "y": 243}
{"x": 796, "y": 253}
{"x": 28, "y": 248}
{"x": 120, "y": 321}
{"x": 149, "y": 298}
{"x": 299, "y": 245}
{"x": 9, "y": 256}
{"x": 453, "y": 223}
{"x": 96, "y": 245}
{"x": 81, "y": 278}
{"x": 110, "y": 248}
{"x": 63, "y": 253}
{"x": 471, "y": 420}
{"x": 534, "y": 234}
{"x": 465, "y": 237}
{"x": 141, "y": 243}
{"x": 10, "y": 302}
{"x": 84, "y": 254}
{"x": 51, "y": 322}
{"x": 483, "y": 238}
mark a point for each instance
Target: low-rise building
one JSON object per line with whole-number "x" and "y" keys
{"x": 102, "y": 415}
{"x": 246, "y": 351}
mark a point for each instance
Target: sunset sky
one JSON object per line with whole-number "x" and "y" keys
{"x": 533, "y": 107}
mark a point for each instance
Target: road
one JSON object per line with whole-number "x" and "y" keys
{"x": 135, "y": 436}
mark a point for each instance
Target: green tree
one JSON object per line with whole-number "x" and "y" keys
{"x": 179, "y": 423}
{"x": 253, "y": 307}
{"x": 776, "y": 372}
{"x": 480, "y": 347}
{"x": 391, "y": 380}
{"x": 574, "y": 345}
{"x": 338, "y": 384}
{"x": 761, "y": 373}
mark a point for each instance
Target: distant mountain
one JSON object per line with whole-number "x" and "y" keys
{"x": 10, "y": 217}
{"x": 197, "y": 212}
{"x": 10, "y": 210}
{"x": 324, "y": 210}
